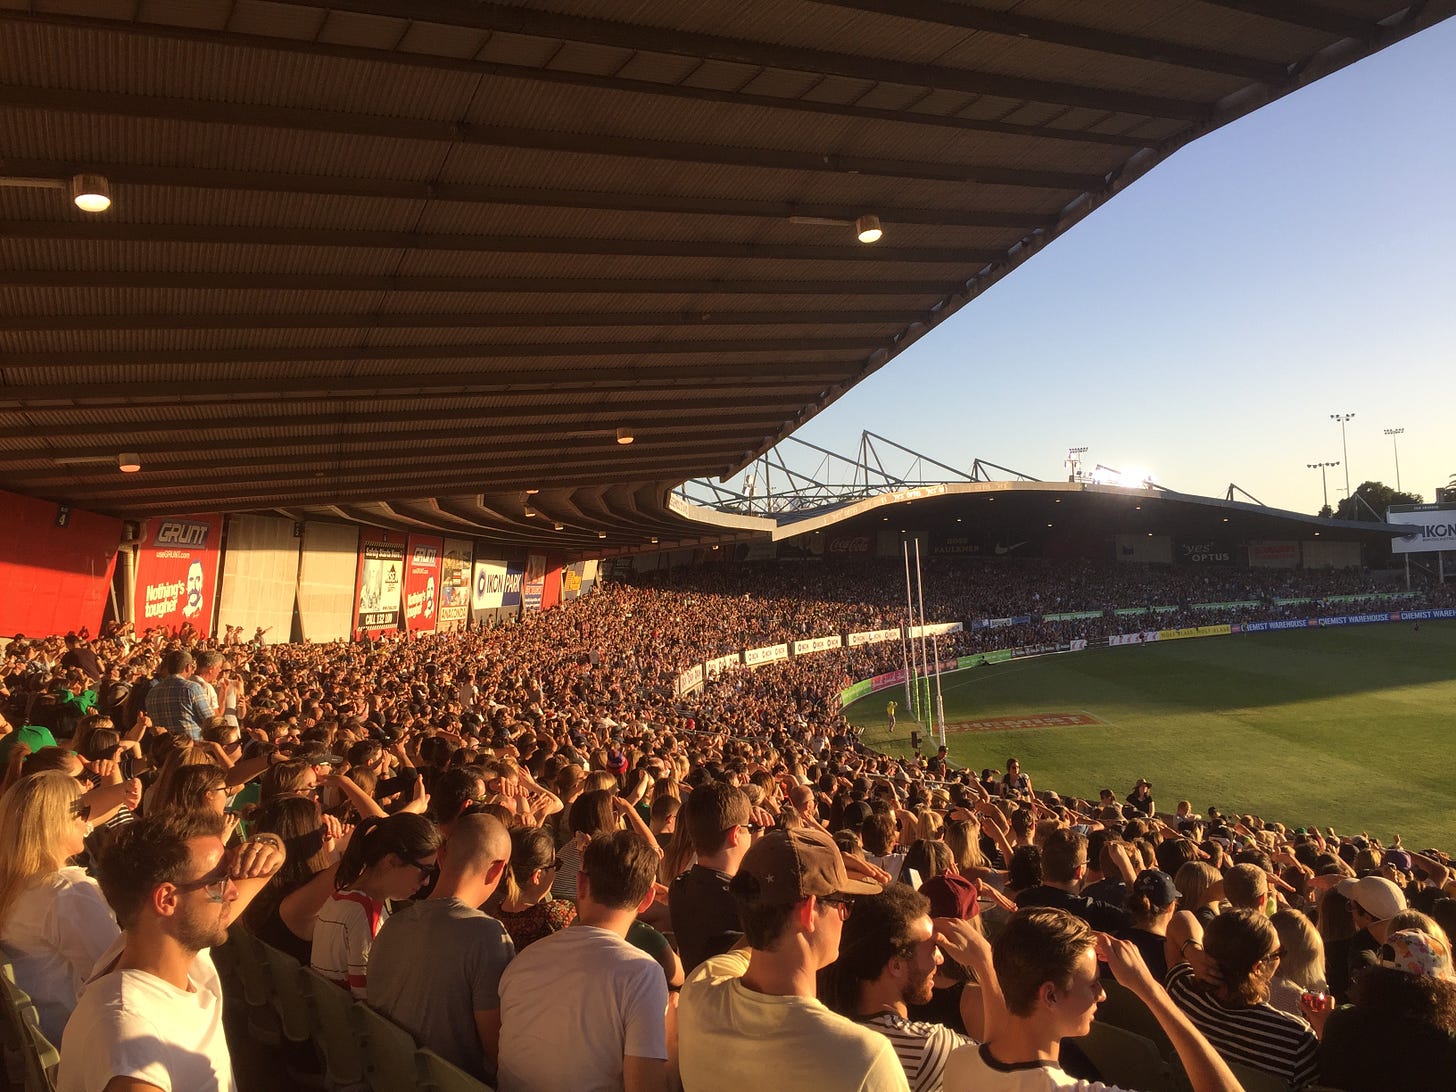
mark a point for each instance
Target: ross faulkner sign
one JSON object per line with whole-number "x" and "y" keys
{"x": 1432, "y": 527}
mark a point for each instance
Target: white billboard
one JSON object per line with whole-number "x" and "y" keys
{"x": 1433, "y": 527}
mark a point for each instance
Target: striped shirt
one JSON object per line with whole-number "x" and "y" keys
{"x": 1260, "y": 1037}
{"x": 921, "y": 1047}
{"x": 342, "y": 937}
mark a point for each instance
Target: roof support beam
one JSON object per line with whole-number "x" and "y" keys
{"x": 1299, "y": 13}
{"x": 112, "y": 231}
{"x": 1013, "y": 25}
{"x": 623, "y": 35}
{"x": 500, "y": 351}
{"x": 308, "y": 420}
{"x": 181, "y": 177}
{"x": 302, "y": 447}
{"x": 213, "y": 114}
{"x": 207, "y": 497}
{"x": 248, "y": 464}
{"x": 239, "y": 392}
{"x": 561, "y": 77}
{"x": 506, "y": 320}
{"x": 552, "y": 286}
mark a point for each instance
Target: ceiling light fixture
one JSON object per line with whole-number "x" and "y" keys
{"x": 528, "y": 511}
{"x": 867, "y": 228}
{"x": 624, "y": 436}
{"x": 129, "y": 462}
{"x": 91, "y": 192}
{"x": 558, "y": 526}
{"x": 601, "y": 534}
{"x": 532, "y": 492}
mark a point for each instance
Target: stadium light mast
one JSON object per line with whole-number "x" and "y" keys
{"x": 1343, "y": 418}
{"x": 1394, "y": 434}
{"x": 1322, "y": 467}
{"x": 1074, "y": 462}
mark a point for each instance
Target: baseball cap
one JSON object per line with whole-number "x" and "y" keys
{"x": 1417, "y": 953}
{"x": 34, "y": 736}
{"x": 617, "y": 763}
{"x": 785, "y": 866}
{"x": 952, "y": 896}
{"x": 317, "y": 756}
{"x": 1157, "y": 886}
{"x": 1376, "y": 895}
{"x": 1398, "y": 858}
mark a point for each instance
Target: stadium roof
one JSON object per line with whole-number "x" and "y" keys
{"x": 401, "y": 262}
{"x": 1040, "y": 512}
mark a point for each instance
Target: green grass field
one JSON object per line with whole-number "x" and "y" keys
{"x": 1349, "y": 727}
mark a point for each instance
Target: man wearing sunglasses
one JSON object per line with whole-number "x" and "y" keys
{"x": 750, "y": 1018}
{"x": 150, "y": 1018}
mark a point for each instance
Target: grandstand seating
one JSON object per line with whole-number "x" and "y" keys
{"x": 30, "y": 1060}
{"x": 1126, "y": 1059}
{"x": 359, "y": 1048}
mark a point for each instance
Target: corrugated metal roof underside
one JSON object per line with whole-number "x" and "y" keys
{"x": 403, "y": 262}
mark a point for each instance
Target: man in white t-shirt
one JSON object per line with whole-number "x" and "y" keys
{"x": 749, "y": 1019}
{"x": 1045, "y": 971}
{"x": 150, "y": 1019}
{"x": 582, "y": 1008}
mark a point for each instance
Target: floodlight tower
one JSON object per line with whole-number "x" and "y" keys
{"x": 1394, "y": 434}
{"x": 1074, "y": 462}
{"x": 1345, "y": 447}
{"x": 1322, "y": 467}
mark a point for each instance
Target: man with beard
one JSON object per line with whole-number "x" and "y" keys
{"x": 195, "y": 586}
{"x": 150, "y": 1018}
{"x": 889, "y": 952}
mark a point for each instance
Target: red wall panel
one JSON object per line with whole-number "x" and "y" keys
{"x": 53, "y": 578}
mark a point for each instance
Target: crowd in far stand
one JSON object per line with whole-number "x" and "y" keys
{"x": 521, "y": 845}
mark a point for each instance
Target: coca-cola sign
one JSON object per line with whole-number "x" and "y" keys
{"x": 857, "y": 544}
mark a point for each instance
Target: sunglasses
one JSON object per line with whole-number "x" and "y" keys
{"x": 844, "y": 903}
{"x": 215, "y": 888}
{"x": 80, "y": 810}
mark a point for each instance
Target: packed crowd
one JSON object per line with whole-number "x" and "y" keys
{"x": 524, "y": 847}
{"x": 757, "y": 604}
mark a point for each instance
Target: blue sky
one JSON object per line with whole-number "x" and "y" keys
{"x": 1205, "y": 324}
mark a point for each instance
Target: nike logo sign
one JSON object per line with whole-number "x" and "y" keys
{"x": 1007, "y": 549}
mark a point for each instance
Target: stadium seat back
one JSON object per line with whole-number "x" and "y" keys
{"x": 438, "y": 1075}
{"x": 253, "y": 974}
{"x": 389, "y": 1050}
{"x": 288, "y": 999}
{"x": 334, "y": 1029}
{"x": 1127, "y": 1060}
{"x": 35, "y": 1058}
{"x": 1256, "y": 1080}
{"x": 1122, "y": 1009}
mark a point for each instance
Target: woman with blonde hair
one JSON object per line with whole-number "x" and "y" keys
{"x": 1301, "y": 962}
{"x": 928, "y": 825}
{"x": 54, "y": 922}
{"x": 963, "y": 836}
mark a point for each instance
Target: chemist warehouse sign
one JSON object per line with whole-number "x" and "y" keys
{"x": 1432, "y": 527}
{"x": 176, "y": 574}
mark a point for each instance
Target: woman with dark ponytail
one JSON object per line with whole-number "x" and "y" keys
{"x": 527, "y": 910}
{"x": 386, "y": 859}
